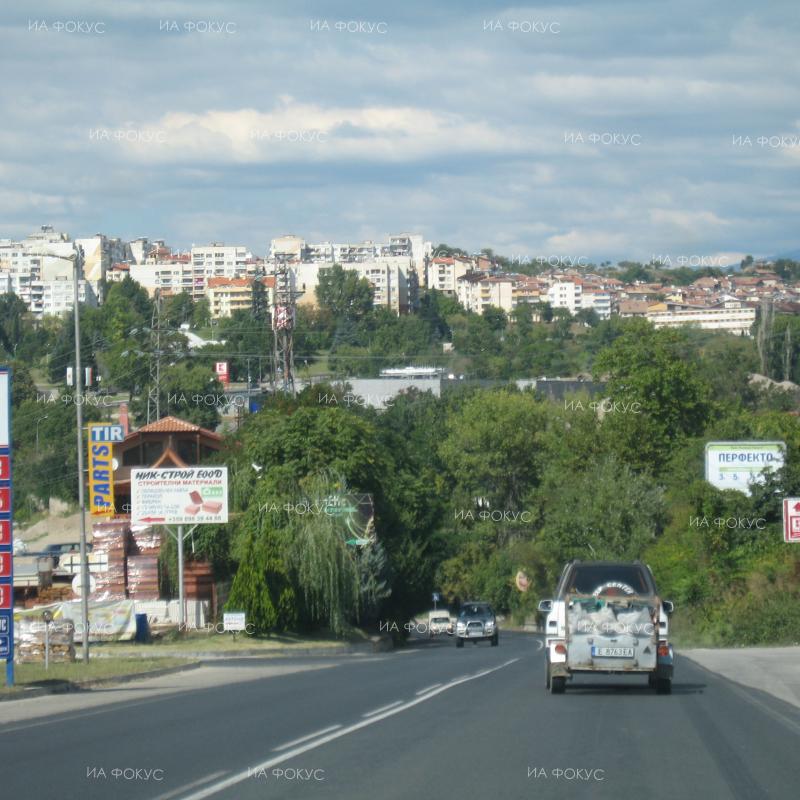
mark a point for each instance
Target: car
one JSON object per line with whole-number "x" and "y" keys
{"x": 607, "y": 617}
{"x": 476, "y": 622}
{"x": 20, "y": 547}
{"x": 438, "y": 622}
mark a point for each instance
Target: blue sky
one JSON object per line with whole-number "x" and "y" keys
{"x": 445, "y": 118}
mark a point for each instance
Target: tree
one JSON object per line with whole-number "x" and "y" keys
{"x": 344, "y": 294}
{"x": 495, "y": 318}
{"x": 177, "y": 309}
{"x": 661, "y": 397}
{"x": 249, "y": 591}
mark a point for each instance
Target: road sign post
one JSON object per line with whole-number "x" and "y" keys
{"x": 791, "y": 519}
{"x": 179, "y": 496}
{"x": 6, "y": 529}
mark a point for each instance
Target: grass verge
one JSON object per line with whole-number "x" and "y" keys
{"x": 27, "y": 675}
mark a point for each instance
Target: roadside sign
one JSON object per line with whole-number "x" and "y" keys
{"x": 103, "y": 432}
{"x": 234, "y": 621}
{"x": 739, "y": 465}
{"x": 101, "y": 467}
{"x": 223, "y": 372}
{"x": 791, "y": 519}
{"x": 6, "y": 529}
{"x": 179, "y": 495}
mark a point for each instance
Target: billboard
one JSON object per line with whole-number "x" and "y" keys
{"x": 739, "y": 465}
{"x": 6, "y": 529}
{"x": 101, "y": 467}
{"x": 179, "y": 495}
{"x": 223, "y": 372}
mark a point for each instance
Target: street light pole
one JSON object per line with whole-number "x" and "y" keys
{"x": 78, "y": 268}
{"x": 37, "y": 431}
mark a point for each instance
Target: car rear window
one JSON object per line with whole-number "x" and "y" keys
{"x": 586, "y": 579}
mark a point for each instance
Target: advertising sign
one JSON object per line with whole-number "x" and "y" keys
{"x": 738, "y": 465}
{"x": 791, "y": 519}
{"x": 179, "y": 495}
{"x": 101, "y": 468}
{"x": 6, "y": 529}
{"x": 223, "y": 374}
{"x": 233, "y": 621}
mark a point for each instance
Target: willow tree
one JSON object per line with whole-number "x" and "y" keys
{"x": 325, "y": 567}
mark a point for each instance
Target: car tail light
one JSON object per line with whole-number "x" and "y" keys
{"x": 663, "y": 650}
{"x": 561, "y": 649}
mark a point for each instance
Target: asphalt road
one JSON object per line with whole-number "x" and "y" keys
{"x": 432, "y": 722}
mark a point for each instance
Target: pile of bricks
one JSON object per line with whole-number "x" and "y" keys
{"x": 143, "y": 577}
{"x": 112, "y": 539}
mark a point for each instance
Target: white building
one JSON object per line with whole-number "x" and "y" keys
{"x": 217, "y": 260}
{"x": 566, "y": 294}
{"x": 444, "y": 272}
{"x": 23, "y": 262}
{"x": 733, "y": 316}
{"x": 476, "y": 291}
{"x": 100, "y": 252}
{"x": 598, "y": 300}
{"x": 55, "y": 297}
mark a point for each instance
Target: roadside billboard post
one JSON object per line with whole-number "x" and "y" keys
{"x": 6, "y": 529}
{"x": 101, "y": 466}
{"x": 791, "y": 519}
{"x": 739, "y": 465}
{"x": 179, "y": 496}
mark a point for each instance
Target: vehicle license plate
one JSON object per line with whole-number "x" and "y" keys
{"x": 612, "y": 652}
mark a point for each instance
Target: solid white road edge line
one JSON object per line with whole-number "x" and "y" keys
{"x": 306, "y": 738}
{"x": 290, "y": 754}
{"x": 422, "y": 691}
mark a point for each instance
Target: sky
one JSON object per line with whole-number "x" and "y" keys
{"x": 577, "y": 130}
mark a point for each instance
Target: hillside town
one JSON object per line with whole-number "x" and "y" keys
{"x": 38, "y": 270}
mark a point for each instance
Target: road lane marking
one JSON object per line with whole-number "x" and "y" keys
{"x": 383, "y": 708}
{"x": 233, "y": 780}
{"x": 192, "y": 785}
{"x": 306, "y": 738}
{"x": 422, "y": 691}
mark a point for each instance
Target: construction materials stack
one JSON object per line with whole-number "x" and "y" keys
{"x": 111, "y": 538}
{"x": 198, "y": 580}
{"x": 143, "y": 577}
{"x": 32, "y": 640}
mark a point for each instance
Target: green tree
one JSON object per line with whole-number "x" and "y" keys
{"x": 344, "y": 294}
{"x": 249, "y": 591}
{"x": 660, "y": 394}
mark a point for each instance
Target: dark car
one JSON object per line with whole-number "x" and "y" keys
{"x": 476, "y": 622}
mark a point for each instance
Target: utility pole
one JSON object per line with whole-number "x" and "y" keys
{"x": 283, "y": 318}
{"x": 77, "y": 274}
{"x": 154, "y": 393}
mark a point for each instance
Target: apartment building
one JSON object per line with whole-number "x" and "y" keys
{"x": 100, "y": 252}
{"x": 732, "y": 316}
{"x": 476, "y": 291}
{"x": 56, "y": 297}
{"x": 566, "y": 294}
{"x": 218, "y": 260}
{"x": 444, "y": 271}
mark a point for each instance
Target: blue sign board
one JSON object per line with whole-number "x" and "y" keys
{"x": 6, "y": 529}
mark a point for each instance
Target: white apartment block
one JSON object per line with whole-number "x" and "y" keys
{"x": 100, "y": 253}
{"x": 597, "y": 299}
{"x": 731, "y": 316}
{"x": 218, "y": 260}
{"x": 55, "y": 297}
{"x": 475, "y": 291}
{"x": 566, "y": 294}
{"x": 443, "y": 273}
